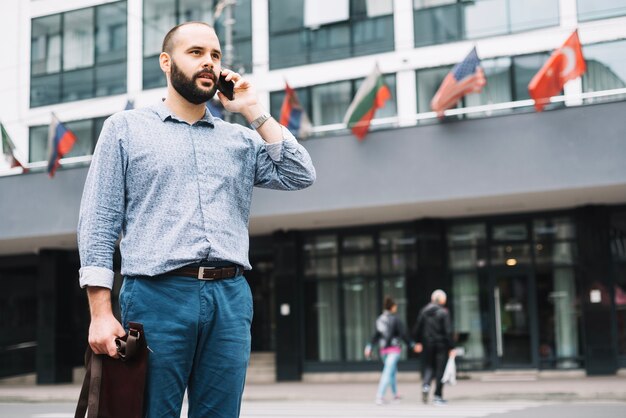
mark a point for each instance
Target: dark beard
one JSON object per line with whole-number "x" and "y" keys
{"x": 188, "y": 88}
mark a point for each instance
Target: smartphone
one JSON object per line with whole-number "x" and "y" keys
{"x": 226, "y": 87}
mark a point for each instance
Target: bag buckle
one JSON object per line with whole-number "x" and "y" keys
{"x": 201, "y": 273}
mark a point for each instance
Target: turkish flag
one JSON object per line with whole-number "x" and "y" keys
{"x": 565, "y": 64}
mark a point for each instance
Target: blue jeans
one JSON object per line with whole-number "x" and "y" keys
{"x": 199, "y": 334}
{"x": 388, "y": 378}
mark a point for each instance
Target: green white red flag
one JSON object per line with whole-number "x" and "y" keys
{"x": 372, "y": 95}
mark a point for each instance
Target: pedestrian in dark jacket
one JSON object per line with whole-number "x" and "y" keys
{"x": 388, "y": 335}
{"x": 433, "y": 335}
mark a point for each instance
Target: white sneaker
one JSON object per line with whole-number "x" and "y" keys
{"x": 380, "y": 401}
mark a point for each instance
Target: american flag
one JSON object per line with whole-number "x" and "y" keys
{"x": 466, "y": 77}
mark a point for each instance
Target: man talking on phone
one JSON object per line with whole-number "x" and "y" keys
{"x": 177, "y": 183}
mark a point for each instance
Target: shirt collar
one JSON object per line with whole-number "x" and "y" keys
{"x": 165, "y": 113}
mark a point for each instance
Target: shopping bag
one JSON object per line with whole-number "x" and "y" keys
{"x": 114, "y": 388}
{"x": 449, "y": 374}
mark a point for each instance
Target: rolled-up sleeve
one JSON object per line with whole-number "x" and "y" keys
{"x": 284, "y": 165}
{"x": 102, "y": 208}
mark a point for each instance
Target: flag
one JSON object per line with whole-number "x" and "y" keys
{"x": 293, "y": 116}
{"x": 60, "y": 142}
{"x": 466, "y": 77}
{"x": 130, "y": 105}
{"x": 566, "y": 63}
{"x": 8, "y": 149}
{"x": 372, "y": 95}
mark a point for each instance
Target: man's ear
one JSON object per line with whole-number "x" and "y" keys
{"x": 165, "y": 61}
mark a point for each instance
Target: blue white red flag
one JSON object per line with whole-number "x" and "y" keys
{"x": 466, "y": 77}
{"x": 293, "y": 116}
{"x": 60, "y": 142}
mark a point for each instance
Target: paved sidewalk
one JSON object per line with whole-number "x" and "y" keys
{"x": 612, "y": 388}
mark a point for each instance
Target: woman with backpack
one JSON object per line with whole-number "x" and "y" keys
{"x": 388, "y": 335}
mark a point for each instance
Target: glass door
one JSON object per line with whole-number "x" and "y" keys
{"x": 512, "y": 320}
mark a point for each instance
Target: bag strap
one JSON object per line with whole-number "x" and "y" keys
{"x": 89, "y": 399}
{"x": 128, "y": 348}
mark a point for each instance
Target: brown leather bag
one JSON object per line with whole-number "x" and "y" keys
{"x": 114, "y": 388}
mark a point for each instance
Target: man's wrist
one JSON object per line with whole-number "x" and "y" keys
{"x": 253, "y": 112}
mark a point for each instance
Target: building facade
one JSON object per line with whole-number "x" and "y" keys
{"x": 520, "y": 216}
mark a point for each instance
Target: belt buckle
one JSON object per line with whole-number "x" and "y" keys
{"x": 201, "y": 273}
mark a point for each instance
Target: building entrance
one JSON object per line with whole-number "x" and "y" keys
{"x": 512, "y": 320}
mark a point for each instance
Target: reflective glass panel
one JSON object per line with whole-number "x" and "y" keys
{"x": 600, "y": 9}
{"x": 46, "y": 45}
{"x": 330, "y": 102}
{"x": 468, "y": 258}
{"x": 362, "y": 265}
{"x": 559, "y": 316}
{"x": 111, "y": 32}
{"x": 45, "y": 90}
{"x": 555, "y": 252}
{"x": 469, "y": 234}
{"x": 619, "y": 299}
{"x": 38, "y": 143}
{"x": 77, "y": 84}
{"x": 510, "y": 255}
{"x": 330, "y": 42}
{"x": 372, "y": 35}
{"x": 485, "y": 18}
{"x": 159, "y": 16}
{"x": 78, "y": 39}
{"x": 618, "y": 236}
{"x": 361, "y": 310}
{"x": 320, "y": 245}
{"x": 437, "y": 25}
{"x": 554, "y": 228}
{"x": 153, "y": 76}
{"x": 524, "y": 69}
{"x": 396, "y": 240}
{"x": 533, "y": 14}
{"x": 358, "y": 242}
{"x": 111, "y": 79}
{"x": 392, "y": 263}
{"x": 321, "y": 268}
{"x": 509, "y": 232}
{"x": 286, "y": 15}
{"x": 322, "y": 321}
{"x": 606, "y": 69}
{"x": 467, "y": 318}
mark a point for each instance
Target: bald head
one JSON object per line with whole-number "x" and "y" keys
{"x": 170, "y": 39}
{"x": 439, "y": 297}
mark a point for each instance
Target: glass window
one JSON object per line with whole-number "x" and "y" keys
{"x": 38, "y": 143}
{"x": 159, "y": 17}
{"x": 468, "y": 234}
{"x": 619, "y": 274}
{"x": 606, "y": 69}
{"x": 559, "y": 318}
{"x": 600, "y": 9}
{"x": 524, "y": 69}
{"x": 467, "y": 258}
{"x": 330, "y": 102}
{"x": 46, "y": 45}
{"x": 360, "y": 311}
{"x": 509, "y": 232}
{"x": 362, "y": 265}
{"x": 87, "y": 39}
{"x": 45, "y": 90}
{"x": 111, "y": 33}
{"x": 83, "y": 129}
{"x": 358, "y": 242}
{"x": 618, "y": 236}
{"x": 510, "y": 255}
{"x": 321, "y": 268}
{"x": 397, "y": 240}
{"x": 555, "y": 252}
{"x": 369, "y": 30}
{"x": 323, "y": 326}
{"x": 428, "y": 82}
{"x": 77, "y": 85}
{"x": 439, "y": 21}
{"x": 321, "y": 245}
{"x": 556, "y": 228}
{"x": 78, "y": 39}
{"x": 468, "y": 308}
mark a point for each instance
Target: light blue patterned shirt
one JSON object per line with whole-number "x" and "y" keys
{"x": 178, "y": 193}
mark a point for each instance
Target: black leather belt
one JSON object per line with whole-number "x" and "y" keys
{"x": 208, "y": 273}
